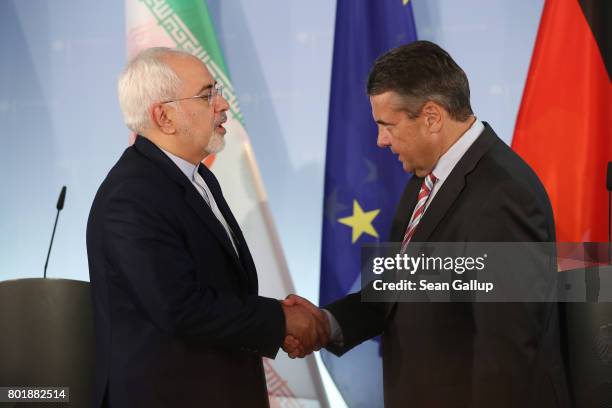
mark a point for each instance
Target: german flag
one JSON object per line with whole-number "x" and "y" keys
{"x": 564, "y": 126}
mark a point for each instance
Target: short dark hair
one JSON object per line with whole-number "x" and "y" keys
{"x": 419, "y": 72}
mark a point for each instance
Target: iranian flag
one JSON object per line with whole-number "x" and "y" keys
{"x": 186, "y": 25}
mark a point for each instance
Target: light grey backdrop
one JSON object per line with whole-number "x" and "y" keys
{"x": 62, "y": 125}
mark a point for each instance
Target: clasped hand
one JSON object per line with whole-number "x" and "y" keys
{"x": 307, "y": 327}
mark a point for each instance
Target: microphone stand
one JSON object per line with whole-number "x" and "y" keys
{"x": 51, "y": 244}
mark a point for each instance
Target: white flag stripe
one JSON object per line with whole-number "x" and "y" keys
{"x": 154, "y": 23}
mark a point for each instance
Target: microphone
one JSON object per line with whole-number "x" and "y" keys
{"x": 59, "y": 206}
{"x": 61, "y": 199}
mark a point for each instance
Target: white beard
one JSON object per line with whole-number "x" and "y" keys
{"x": 216, "y": 143}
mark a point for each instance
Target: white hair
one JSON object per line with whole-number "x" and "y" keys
{"x": 147, "y": 79}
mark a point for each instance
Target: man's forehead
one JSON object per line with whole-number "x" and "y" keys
{"x": 386, "y": 103}
{"x": 388, "y": 99}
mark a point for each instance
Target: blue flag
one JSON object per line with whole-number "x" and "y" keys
{"x": 363, "y": 183}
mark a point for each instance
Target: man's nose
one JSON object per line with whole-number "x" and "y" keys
{"x": 221, "y": 103}
{"x": 383, "y": 139}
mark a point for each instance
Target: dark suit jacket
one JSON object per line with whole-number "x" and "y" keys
{"x": 178, "y": 322}
{"x": 468, "y": 354}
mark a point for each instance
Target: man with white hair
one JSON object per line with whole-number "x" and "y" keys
{"x": 178, "y": 321}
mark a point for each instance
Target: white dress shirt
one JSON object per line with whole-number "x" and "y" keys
{"x": 191, "y": 172}
{"x": 449, "y": 160}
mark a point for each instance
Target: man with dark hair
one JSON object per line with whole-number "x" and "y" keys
{"x": 469, "y": 186}
{"x": 419, "y": 72}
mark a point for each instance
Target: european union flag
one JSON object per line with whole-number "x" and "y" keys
{"x": 363, "y": 183}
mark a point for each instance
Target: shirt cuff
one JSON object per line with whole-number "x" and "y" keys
{"x": 335, "y": 330}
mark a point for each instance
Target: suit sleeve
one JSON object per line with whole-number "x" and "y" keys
{"x": 148, "y": 256}
{"x": 509, "y": 336}
{"x": 358, "y": 321}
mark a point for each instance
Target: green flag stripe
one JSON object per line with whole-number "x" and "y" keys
{"x": 194, "y": 13}
{"x": 184, "y": 39}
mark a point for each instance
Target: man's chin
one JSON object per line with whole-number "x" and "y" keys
{"x": 216, "y": 144}
{"x": 420, "y": 173}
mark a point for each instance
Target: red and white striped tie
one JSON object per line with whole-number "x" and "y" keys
{"x": 419, "y": 210}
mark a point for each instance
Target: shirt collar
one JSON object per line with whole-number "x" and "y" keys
{"x": 449, "y": 160}
{"x": 189, "y": 169}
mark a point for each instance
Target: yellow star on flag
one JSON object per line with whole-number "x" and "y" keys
{"x": 360, "y": 221}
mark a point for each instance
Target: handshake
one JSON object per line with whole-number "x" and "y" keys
{"x": 307, "y": 327}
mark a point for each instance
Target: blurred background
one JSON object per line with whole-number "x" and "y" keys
{"x": 63, "y": 126}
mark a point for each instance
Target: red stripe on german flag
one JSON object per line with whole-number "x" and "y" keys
{"x": 564, "y": 125}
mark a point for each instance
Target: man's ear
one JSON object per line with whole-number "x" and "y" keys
{"x": 161, "y": 117}
{"x": 433, "y": 114}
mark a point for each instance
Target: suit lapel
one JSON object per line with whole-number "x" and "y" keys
{"x": 197, "y": 203}
{"x": 454, "y": 184}
{"x": 192, "y": 197}
{"x": 439, "y": 206}
{"x": 243, "y": 249}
